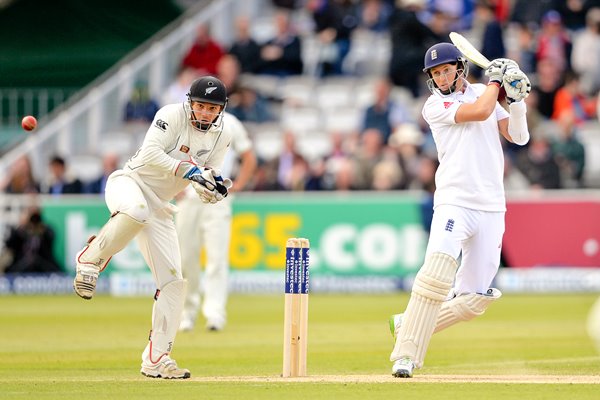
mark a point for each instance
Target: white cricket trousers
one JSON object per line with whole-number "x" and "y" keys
{"x": 206, "y": 226}
{"x": 477, "y": 235}
{"x": 157, "y": 241}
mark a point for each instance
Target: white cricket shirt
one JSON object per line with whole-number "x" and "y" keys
{"x": 170, "y": 140}
{"x": 470, "y": 154}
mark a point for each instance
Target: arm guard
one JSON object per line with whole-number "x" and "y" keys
{"x": 517, "y": 123}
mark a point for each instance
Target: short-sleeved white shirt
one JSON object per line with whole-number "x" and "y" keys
{"x": 471, "y": 159}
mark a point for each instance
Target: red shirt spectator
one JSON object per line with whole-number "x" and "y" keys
{"x": 204, "y": 54}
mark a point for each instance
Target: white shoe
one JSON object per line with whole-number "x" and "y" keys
{"x": 215, "y": 326}
{"x": 403, "y": 368}
{"x": 395, "y": 324}
{"x": 167, "y": 369}
{"x": 86, "y": 276}
{"x": 186, "y": 325}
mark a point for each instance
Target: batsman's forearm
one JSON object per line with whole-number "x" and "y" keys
{"x": 517, "y": 123}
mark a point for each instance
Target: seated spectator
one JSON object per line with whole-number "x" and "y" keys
{"x": 410, "y": 38}
{"x": 538, "y": 164}
{"x": 586, "y": 53}
{"x": 369, "y": 152}
{"x": 374, "y": 15}
{"x": 548, "y": 83}
{"x": 58, "y": 182}
{"x": 204, "y": 54}
{"x": 140, "y": 107}
{"x": 334, "y": 22}
{"x": 110, "y": 163}
{"x": 282, "y": 55}
{"x": 553, "y": 42}
{"x": 249, "y": 106}
{"x": 384, "y": 114}
{"x": 244, "y": 48}
{"x": 571, "y": 99}
{"x": 292, "y": 168}
{"x": 30, "y": 245}
{"x": 244, "y": 102}
{"x": 228, "y": 71}
{"x": 407, "y": 140}
{"x": 177, "y": 91}
{"x": 570, "y": 153}
{"x": 20, "y": 179}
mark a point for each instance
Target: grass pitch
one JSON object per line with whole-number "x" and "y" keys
{"x": 524, "y": 347}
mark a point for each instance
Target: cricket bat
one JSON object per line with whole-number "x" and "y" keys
{"x": 468, "y": 50}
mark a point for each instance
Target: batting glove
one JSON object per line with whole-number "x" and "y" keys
{"x": 516, "y": 84}
{"x": 495, "y": 71}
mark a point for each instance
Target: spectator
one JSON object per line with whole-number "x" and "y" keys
{"x": 292, "y": 169}
{"x": 374, "y": 15}
{"x": 334, "y": 22}
{"x": 228, "y": 71}
{"x": 586, "y": 53}
{"x": 553, "y": 43}
{"x": 492, "y": 42}
{"x": 250, "y": 106}
{"x": 387, "y": 173}
{"x": 140, "y": 107}
{"x": 570, "y": 98}
{"x": 31, "y": 245}
{"x": 110, "y": 163}
{"x": 59, "y": 182}
{"x": 244, "y": 48}
{"x": 204, "y": 54}
{"x": 548, "y": 83}
{"x": 177, "y": 91}
{"x": 384, "y": 114}
{"x": 525, "y": 55}
{"x": 20, "y": 179}
{"x": 244, "y": 102}
{"x": 410, "y": 38}
{"x": 282, "y": 56}
{"x": 407, "y": 140}
{"x": 570, "y": 153}
{"x": 538, "y": 164}
{"x": 369, "y": 153}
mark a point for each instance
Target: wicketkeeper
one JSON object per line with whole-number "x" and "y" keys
{"x": 185, "y": 144}
{"x": 466, "y": 121}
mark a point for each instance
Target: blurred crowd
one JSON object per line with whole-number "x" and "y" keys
{"x": 277, "y": 80}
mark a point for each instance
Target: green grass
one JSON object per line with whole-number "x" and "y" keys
{"x": 65, "y": 348}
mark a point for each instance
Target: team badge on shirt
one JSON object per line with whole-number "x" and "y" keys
{"x": 447, "y": 104}
{"x": 184, "y": 149}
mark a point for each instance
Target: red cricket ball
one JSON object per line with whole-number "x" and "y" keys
{"x": 29, "y": 123}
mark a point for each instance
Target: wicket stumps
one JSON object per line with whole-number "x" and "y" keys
{"x": 295, "y": 328}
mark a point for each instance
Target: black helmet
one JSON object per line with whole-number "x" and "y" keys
{"x": 208, "y": 89}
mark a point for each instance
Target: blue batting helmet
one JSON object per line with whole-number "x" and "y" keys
{"x": 442, "y": 53}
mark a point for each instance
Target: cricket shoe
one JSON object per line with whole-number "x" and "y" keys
{"x": 166, "y": 368}
{"x": 395, "y": 324}
{"x": 186, "y": 325}
{"x": 403, "y": 368}
{"x": 86, "y": 276}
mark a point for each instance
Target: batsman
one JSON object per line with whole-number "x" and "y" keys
{"x": 466, "y": 122}
{"x": 184, "y": 145}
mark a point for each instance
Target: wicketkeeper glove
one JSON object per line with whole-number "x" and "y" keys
{"x": 517, "y": 85}
{"x": 209, "y": 184}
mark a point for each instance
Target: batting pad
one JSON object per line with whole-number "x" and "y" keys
{"x": 112, "y": 238}
{"x": 431, "y": 286}
{"x": 465, "y": 307}
{"x": 166, "y": 316}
